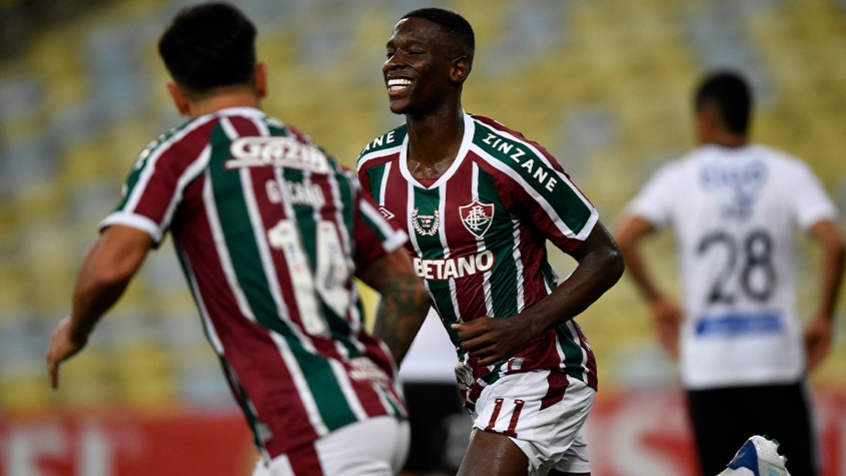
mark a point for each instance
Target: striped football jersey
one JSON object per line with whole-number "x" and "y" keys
{"x": 269, "y": 232}
{"x": 478, "y": 236}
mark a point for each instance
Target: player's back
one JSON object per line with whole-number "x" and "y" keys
{"x": 735, "y": 212}
{"x": 268, "y": 230}
{"x": 734, "y": 216}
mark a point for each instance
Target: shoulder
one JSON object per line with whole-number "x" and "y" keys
{"x": 384, "y": 145}
{"x": 508, "y": 150}
{"x": 191, "y": 136}
{"x": 780, "y": 160}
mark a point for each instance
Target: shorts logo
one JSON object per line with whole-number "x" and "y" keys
{"x": 425, "y": 225}
{"x": 385, "y": 212}
{"x": 477, "y": 217}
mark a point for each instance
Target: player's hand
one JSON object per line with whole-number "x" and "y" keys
{"x": 817, "y": 340}
{"x": 62, "y": 347}
{"x": 667, "y": 316}
{"x": 492, "y": 339}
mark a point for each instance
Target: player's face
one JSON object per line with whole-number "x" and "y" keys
{"x": 417, "y": 70}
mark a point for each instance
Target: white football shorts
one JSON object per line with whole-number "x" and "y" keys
{"x": 374, "y": 447}
{"x": 541, "y": 416}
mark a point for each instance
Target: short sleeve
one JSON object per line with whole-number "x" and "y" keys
{"x": 158, "y": 177}
{"x": 374, "y": 236}
{"x": 556, "y": 208}
{"x": 810, "y": 201}
{"x": 654, "y": 201}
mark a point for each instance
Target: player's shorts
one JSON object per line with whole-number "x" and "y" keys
{"x": 542, "y": 412}
{"x": 374, "y": 447}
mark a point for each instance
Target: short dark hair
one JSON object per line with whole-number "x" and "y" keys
{"x": 209, "y": 45}
{"x": 729, "y": 93}
{"x": 453, "y": 24}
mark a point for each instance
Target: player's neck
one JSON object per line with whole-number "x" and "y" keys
{"x": 726, "y": 139}
{"x": 217, "y": 102}
{"x": 433, "y": 142}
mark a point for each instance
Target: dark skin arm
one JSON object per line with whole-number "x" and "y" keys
{"x": 818, "y": 332}
{"x": 106, "y": 271}
{"x": 600, "y": 267}
{"x": 404, "y": 303}
{"x": 666, "y": 313}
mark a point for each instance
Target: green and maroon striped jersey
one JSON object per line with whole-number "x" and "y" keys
{"x": 269, "y": 232}
{"x": 478, "y": 234}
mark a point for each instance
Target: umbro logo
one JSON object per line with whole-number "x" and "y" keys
{"x": 385, "y": 212}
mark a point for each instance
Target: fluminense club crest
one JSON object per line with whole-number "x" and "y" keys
{"x": 477, "y": 217}
{"x": 425, "y": 225}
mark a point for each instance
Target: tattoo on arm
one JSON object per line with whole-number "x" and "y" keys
{"x": 402, "y": 309}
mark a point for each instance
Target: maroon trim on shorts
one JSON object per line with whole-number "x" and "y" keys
{"x": 558, "y": 383}
{"x": 304, "y": 461}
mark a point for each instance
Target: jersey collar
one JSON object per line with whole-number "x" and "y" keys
{"x": 469, "y": 130}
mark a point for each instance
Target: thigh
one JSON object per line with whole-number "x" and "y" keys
{"x": 492, "y": 454}
{"x": 374, "y": 447}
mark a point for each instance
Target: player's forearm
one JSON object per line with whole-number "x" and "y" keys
{"x": 96, "y": 291}
{"x": 600, "y": 267}
{"x": 400, "y": 314}
{"x": 832, "y": 265}
{"x": 91, "y": 301}
{"x": 404, "y": 303}
{"x": 595, "y": 274}
{"x": 106, "y": 271}
{"x": 832, "y": 277}
{"x": 640, "y": 275}
{"x": 628, "y": 238}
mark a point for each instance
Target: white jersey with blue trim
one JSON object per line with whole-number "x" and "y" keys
{"x": 734, "y": 212}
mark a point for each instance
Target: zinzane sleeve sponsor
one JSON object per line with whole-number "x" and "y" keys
{"x": 374, "y": 236}
{"x": 533, "y": 185}
{"x": 543, "y": 194}
{"x": 156, "y": 182}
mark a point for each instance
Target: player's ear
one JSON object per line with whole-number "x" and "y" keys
{"x": 460, "y": 69}
{"x": 179, "y": 97}
{"x": 260, "y": 80}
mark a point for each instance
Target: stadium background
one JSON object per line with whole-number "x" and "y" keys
{"x": 606, "y": 85}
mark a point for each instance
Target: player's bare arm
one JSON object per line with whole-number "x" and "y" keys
{"x": 818, "y": 332}
{"x": 600, "y": 267}
{"x": 404, "y": 302}
{"x": 106, "y": 271}
{"x": 666, "y": 313}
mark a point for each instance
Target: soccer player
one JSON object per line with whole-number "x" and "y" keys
{"x": 270, "y": 233}
{"x": 734, "y": 206}
{"x": 479, "y": 202}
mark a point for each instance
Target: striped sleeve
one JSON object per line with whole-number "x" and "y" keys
{"x": 374, "y": 236}
{"x": 155, "y": 184}
{"x": 534, "y": 186}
